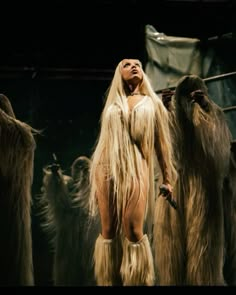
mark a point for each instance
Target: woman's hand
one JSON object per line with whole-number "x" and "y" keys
{"x": 166, "y": 191}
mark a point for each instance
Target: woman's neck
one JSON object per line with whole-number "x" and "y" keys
{"x": 135, "y": 93}
{"x": 134, "y": 90}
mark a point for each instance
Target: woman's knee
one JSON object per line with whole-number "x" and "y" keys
{"x": 108, "y": 231}
{"x": 109, "y": 225}
{"x": 132, "y": 230}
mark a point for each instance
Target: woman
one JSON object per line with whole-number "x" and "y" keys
{"x": 134, "y": 130}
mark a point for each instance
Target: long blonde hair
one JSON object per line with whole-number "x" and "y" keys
{"x": 115, "y": 146}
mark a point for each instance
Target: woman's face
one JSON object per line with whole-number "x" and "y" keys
{"x": 131, "y": 70}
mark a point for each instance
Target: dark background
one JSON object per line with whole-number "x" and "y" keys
{"x": 57, "y": 59}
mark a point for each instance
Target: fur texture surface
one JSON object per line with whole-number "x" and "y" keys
{"x": 16, "y": 174}
{"x": 66, "y": 221}
{"x": 230, "y": 220}
{"x": 189, "y": 243}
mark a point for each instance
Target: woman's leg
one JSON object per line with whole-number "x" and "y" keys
{"x": 108, "y": 250}
{"x": 137, "y": 263}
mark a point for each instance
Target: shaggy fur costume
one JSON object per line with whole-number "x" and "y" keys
{"x": 66, "y": 221}
{"x": 189, "y": 243}
{"x": 16, "y": 175}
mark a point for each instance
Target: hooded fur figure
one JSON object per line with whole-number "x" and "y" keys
{"x": 67, "y": 223}
{"x": 189, "y": 243}
{"x": 16, "y": 175}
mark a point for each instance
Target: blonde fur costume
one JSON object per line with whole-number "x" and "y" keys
{"x": 16, "y": 175}
{"x": 64, "y": 210}
{"x": 126, "y": 138}
{"x": 190, "y": 242}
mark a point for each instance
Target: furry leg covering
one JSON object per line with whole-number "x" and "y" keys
{"x": 107, "y": 259}
{"x": 168, "y": 243}
{"x": 137, "y": 267}
{"x": 204, "y": 237}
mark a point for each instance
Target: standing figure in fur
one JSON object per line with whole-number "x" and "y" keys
{"x": 17, "y": 146}
{"x": 189, "y": 243}
{"x": 134, "y": 132}
{"x": 66, "y": 222}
